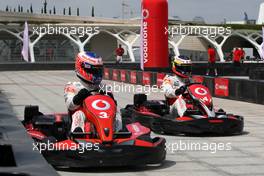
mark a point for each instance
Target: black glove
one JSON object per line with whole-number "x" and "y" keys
{"x": 82, "y": 94}
{"x": 180, "y": 91}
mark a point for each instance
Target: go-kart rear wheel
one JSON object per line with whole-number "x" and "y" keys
{"x": 139, "y": 99}
{"x": 30, "y": 111}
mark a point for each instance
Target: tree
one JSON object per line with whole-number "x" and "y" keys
{"x": 69, "y": 10}
{"x": 27, "y": 10}
{"x": 54, "y": 10}
{"x": 50, "y": 11}
{"x": 93, "y": 11}
{"x": 14, "y": 9}
{"x": 7, "y": 9}
{"x": 21, "y": 9}
{"x": 45, "y": 7}
{"x": 42, "y": 10}
{"x": 64, "y": 11}
{"x": 31, "y": 8}
{"x": 78, "y": 11}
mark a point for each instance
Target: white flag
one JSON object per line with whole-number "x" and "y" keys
{"x": 25, "y": 48}
{"x": 262, "y": 45}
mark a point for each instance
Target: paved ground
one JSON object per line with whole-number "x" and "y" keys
{"x": 243, "y": 155}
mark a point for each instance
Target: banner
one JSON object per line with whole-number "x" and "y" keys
{"x": 25, "y": 48}
{"x": 146, "y": 78}
{"x": 133, "y": 77}
{"x": 141, "y": 41}
{"x": 160, "y": 77}
{"x": 106, "y": 73}
{"x": 123, "y": 75}
{"x": 222, "y": 87}
{"x": 115, "y": 75}
{"x": 198, "y": 79}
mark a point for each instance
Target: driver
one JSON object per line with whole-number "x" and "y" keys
{"x": 174, "y": 85}
{"x": 88, "y": 68}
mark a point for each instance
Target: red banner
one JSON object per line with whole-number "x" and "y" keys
{"x": 222, "y": 87}
{"x": 133, "y": 77}
{"x": 146, "y": 78}
{"x": 123, "y": 75}
{"x": 115, "y": 75}
{"x": 106, "y": 73}
{"x": 198, "y": 79}
{"x": 160, "y": 77}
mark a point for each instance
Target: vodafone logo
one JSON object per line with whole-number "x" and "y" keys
{"x": 145, "y": 13}
{"x": 223, "y": 87}
{"x": 135, "y": 127}
{"x": 200, "y": 91}
{"x": 100, "y": 105}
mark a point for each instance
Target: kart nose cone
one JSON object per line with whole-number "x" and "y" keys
{"x": 106, "y": 131}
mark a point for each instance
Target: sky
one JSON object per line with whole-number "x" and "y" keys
{"x": 213, "y": 11}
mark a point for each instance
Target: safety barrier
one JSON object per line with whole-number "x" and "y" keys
{"x": 16, "y": 147}
{"x": 235, "y": 89}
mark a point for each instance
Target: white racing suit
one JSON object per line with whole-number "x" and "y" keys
{"x": 169, "y": 86}
{"x": 78, "y": 117}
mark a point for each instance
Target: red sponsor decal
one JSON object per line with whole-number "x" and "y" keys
{"x": 216, "y": 121}
{"x": 146, "y": 78}
{"x": 123, "y": 75}
{"x": 198, "y": 79}
{"x": 115, "y": 75}
{"x": 133, "y": 77}
{"x": 160, "y": 77}
{"x": 222, "y": 87}
{"x": 106, "y": 73}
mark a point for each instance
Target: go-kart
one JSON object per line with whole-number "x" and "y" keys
{"x": 198, "y": 114}
{"x": 99, "y": 144}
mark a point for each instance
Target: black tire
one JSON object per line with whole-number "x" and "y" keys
{"x": 139, "y": 99}
{"x": 30, "y": 112}
{"x": 126, "y": 116}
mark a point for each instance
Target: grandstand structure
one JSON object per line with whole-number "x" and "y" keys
{"x": 106, "y": 35}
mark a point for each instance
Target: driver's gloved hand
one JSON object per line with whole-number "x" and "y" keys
{"x": 110, "y": 94}
{"x": 180, "y": 91}
{"x": 82, "y": 94}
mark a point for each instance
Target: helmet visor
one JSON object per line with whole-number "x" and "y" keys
{"x": 184, "y": 69}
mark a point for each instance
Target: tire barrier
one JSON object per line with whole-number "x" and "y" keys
{"x": 229, "y": 88}
{"x": 17, "y": 156}
{"x": 257, "y": 73}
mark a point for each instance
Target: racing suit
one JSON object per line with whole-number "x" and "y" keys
{"x": 78, "y": 117}
{"x": 173, "y": 87}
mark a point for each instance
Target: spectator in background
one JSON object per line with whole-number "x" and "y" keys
{"x": 236, "y": 57}
{"x": 211, "y": 61}
{"x": 119, "y": 54}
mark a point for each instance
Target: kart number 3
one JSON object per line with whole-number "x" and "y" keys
{"x": 103, "y": 115}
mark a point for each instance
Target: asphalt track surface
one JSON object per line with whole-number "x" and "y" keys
{"x": 241, "y": 155}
